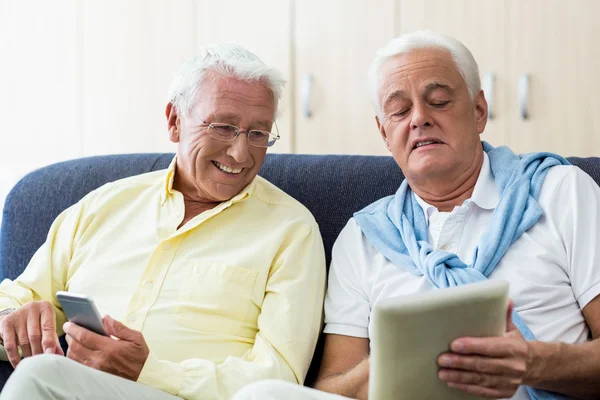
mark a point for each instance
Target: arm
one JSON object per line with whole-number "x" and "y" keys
{"x": 486, "y": 365}
{"x": 345, "y": 367}
{"x": 33, "y": 326}
{"x": 495, "y": 367}
{"x": 572, "y": 369}
{"x": 289, "y": 325}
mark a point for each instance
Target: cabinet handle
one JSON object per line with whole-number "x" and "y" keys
{"x": 488, "y": 90}
{"x": 524, "y": 95}
{"x": 306, "y": 94}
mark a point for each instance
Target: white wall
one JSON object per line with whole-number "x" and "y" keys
{"x": 89, "y": 77}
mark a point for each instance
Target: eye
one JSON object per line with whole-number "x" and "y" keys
{"x": 224, "y": 130}
{"x": 259, "y": 136}
{"x": 401, "y": 113}
{"x": 439, "y": 104}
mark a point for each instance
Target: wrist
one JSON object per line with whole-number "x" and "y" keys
{"x": 542, "y": 355}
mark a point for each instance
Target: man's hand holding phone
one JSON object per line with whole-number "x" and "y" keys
{"x": 124, "y": 356}
{"x": 32, "y": 328}
{"x": 91, "y": 342}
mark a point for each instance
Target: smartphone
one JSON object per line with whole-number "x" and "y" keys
{"x": 81, "y": 310}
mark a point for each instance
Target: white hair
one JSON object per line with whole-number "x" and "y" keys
{"x": 462, "y": 57}
{"x": 227, "y": 60}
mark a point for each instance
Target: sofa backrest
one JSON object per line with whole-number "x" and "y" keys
{"x": 332, "y": 187}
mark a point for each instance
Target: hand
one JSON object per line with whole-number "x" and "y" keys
{"x": 31, "y": 327}
{"x": 124, "y": 356}
{"x": 492, "y": 367}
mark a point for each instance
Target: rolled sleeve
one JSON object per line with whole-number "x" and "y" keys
{"x": 579, "y": 197}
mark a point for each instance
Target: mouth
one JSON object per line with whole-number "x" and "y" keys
{"x": 426, "y": 142}
{"x": 227, "y": 169}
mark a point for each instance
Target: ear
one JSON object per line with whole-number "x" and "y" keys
{"x": 381, "y": 130}
{"x": 173, "y": 123}
{"x": 481, "y": 111}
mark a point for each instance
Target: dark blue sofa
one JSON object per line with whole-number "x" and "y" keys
{"x": 332, "y": 187}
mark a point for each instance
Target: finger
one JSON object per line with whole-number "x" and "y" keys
{"x": 48, "y": 327}
{"x": 107, "y": 322}
{"x": 85, "y": 337}
{"x": 79, "y": 353}
{"x": 72, "y": 352}
{"x": 34, "y": 333}
{"x": 23, "y": 338}
{"x": 487, "y": 365}
{"x": 486, "y": 346}
{"x": 11, "y": 347}
{"x": 479, "y": 379}
{"x": 120, "y": 330}
{"x": 509, "y": 321}
{"x": 480, "y": 391}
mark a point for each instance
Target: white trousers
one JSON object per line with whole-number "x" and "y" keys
{"x": 52, "y": 377}
{"x": 281, "y": 390}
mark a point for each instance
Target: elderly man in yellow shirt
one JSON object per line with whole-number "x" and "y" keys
{"x": 210, "y": 276}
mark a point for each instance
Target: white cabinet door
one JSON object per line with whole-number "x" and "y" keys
{"x": 131, "y": 51}
{"x": 479, "y": 25}
{"x": 263, "y": 27}
{"x": 335, "y": 42}
{"x": 555, "y": 44}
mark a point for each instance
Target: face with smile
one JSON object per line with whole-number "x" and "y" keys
{"x": 211, "y": 170}
{"x": 429, "y": 121}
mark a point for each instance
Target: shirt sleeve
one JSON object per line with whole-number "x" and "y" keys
{"x": 47, "y": 271}
{"x": 289, "y": 326}
{"x": 577, "y": 207}
{"x": 347, "y": 306}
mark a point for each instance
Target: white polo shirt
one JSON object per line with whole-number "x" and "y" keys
{"x": 553, "y": 268}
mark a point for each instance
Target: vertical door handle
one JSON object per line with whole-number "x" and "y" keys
{"x": 524, "y": 96}
{"x": 488, "y": 90}
{"x": 306, "y": 94}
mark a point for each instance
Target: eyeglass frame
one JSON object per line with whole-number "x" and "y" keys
{"x": 275, "y": 136}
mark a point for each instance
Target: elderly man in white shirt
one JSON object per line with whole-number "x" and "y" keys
{"x": 466, "y": 212}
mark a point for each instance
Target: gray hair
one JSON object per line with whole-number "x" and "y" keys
{"x": 228, "y": 60}
{"x": 462, "y": 57}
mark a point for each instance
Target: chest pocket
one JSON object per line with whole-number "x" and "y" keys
{"x": 217, "y": 298}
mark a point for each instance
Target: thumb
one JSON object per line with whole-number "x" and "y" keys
{"x": 509, "y": 322}
{"x": 118, "y": 329}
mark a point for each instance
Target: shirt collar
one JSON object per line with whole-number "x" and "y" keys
{"x": 169, "y": 178}
{"x": 485, "y": 193}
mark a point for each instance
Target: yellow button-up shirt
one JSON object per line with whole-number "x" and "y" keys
{"x": 233, "y": 296}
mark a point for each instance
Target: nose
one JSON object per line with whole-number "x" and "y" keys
{"x": 420, "y": 117}
{"x": 238, "y": 148}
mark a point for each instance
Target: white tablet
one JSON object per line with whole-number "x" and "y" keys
{"x": 410, "y": 332}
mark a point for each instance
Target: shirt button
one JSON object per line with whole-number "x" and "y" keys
{"x": 166, "y": 246}
{"x": 149, "y": 285}
{"x": 132, "y": 318}
{"x": 445, "y": 247}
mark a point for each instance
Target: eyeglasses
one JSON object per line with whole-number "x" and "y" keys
{"x": 227, "y": 133}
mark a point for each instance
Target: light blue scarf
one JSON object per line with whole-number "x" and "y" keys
{"x": 396, "y": 227}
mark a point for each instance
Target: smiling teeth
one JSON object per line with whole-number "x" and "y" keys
{"x": 425, "y": 143}
{"x": 227, "y": 169}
